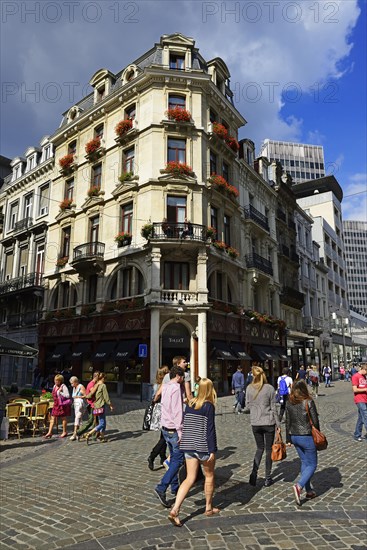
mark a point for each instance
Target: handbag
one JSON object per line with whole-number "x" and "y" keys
{"x": 148, "y": 416}
{"x": 155, "y": 423}
{"x": 98, "y": 411}
{"x": 319, "y": 438}
{"x": 64, "y": 400}
{"x": 278, "y": 448}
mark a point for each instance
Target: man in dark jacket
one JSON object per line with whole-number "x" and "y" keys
{"x": 238, "y": 386}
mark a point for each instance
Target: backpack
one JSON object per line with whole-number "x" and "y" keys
{"x": 283, "y": 388}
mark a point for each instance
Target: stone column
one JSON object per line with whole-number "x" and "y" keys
{"x": 155, "y": 274}
{"x": 154, "y": 343}
{"x": 202, "y": 344}
{"x": 202, "y": 285}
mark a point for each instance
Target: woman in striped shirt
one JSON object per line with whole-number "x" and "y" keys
{"x": 199, "y": 443}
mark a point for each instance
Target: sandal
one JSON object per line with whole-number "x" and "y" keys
{"x": 212, "y": 512}
{"x": 174, "y": 519}
{"x": 47, "y": 436}
{"x": 62, "y": 436}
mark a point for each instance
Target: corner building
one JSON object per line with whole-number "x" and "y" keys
{"x": 161, "y": 232}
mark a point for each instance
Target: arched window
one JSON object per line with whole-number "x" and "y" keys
{"x": 64, "y": 296}
{"x": 126, "y": 283}
{"x": 219, "y": 287}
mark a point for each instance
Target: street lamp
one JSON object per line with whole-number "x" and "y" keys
{"x": 344, "y": 325}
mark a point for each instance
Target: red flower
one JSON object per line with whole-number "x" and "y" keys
{"x": 65, "y": 204}
{"x": 218, "y": 181}
{"x": 220, "y": 130}
{"x": 178, "y": 168}
{"x": 232, "y": 143}
{"x": 123, "y": 126}
{"x": 93, "y": 145}
{"x": 66, "y": 161}
{"x": 179, "y": 114}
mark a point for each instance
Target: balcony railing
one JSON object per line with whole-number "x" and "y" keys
{"x": 260, "y": 263}
{"x": 292, "y": 296}
{"x": 315, "y": 324}
{"x": 188, "y": 231}
{"x": 20, "y": 283}
{"x": 23, "y": 224}
{"x": 23, "y": 319}
{"x": 178, "y": 297}
{"x": 284, "y": 249}
{"x": 281, "y": 215}
{"x": 253, "y": 214}
{"x": 89, "y": 251}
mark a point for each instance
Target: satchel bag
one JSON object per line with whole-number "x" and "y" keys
{"x": 148, "y": 416}
{"x": 155, "y": 423}
{"x": 319, "y": 438}
{"x": 278, "y": 449}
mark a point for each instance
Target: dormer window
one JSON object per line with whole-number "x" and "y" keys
{"x": 17, "y": 171}
{"x": 177, "y": 61}
{"x": 47, "y": 152}
{"x": 101, "y": 92}
{"x": 129, "y": 74}
{"x": 73, "y": 113}
{"x": 102, "y": 82}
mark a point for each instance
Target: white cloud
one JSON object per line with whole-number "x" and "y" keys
{"x": 354, "y": 203}
{"x": 315, "y": 137}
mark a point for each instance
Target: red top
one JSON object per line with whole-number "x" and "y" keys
{"x": 360, "y": 381}
{"x": 88, "y": 389}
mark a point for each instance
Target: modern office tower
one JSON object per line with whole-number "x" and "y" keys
{"x": 302, "y": 161}
{"x": 355, "y": 248}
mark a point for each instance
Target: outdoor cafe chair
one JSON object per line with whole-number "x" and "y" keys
{"x": 38, "y": 415}
{"x": 13, "y": 412}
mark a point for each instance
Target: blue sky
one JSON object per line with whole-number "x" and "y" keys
{"x": 298, "y": 69}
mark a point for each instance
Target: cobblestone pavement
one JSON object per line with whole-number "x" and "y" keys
{"x": 64, "y": 494}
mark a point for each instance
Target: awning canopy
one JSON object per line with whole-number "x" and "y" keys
{"x": 15, "y": 349}
{"x": 238, "y": 348}
{"x": 81, "y": 349}
{"x": 265, "y": 353}
{"x": 282, "y": 354}
{"x": 60, "y": 351}
{"x": 125, "y": 350}
{"x": 104, "y": 351}
{"x": 222, "y": 351}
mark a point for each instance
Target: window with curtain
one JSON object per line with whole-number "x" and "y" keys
{"x": 127, "y": 217}
{"x": 176, "y": 275}
{"x": 129, "y": 159}
{"x": 97, "y": 175}
{"x": 176, "y": 101}
{"x": 44, "y": 199}
{"x": 176, "y": 150}
{"x": 65, "y": 242}
{"x": 176, "y": 209}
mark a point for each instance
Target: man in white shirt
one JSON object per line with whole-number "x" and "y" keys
{"x": 284, "y": 388}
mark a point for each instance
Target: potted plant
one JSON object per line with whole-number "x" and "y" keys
{"x": 219, "y": 245}
{"x": 232, "y": 143}
{"x": 232, "y": 252}
{"x": 66, "y": 204}
{"x": 232, "y": 191}
{"x": 126, "y": 176}
{"x": 220, "y": 130}
{"x": 94, "y": 191}
{"x": 211, "y": 232}
{"x": 123, "y": 127}
{"x": 178, "y": 168}
{"x": 123, "y": 238}
{"x": 179, "y": 114}
{"x": 66, "y": 161}
{"x": 93, "y": 145}
{"x": 146, "y": 230}
{"x": 218, "y": 181}
{"x": 61, "y": 262}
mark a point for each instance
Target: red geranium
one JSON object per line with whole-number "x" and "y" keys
{"x": 93, "y": 145}
{"x": 123, "y": 126}
{"x": 179, "y": 114}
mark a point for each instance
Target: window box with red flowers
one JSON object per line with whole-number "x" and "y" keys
{"x": 232, "y": 143}
{"x": 232, "y": 252}
{"x": 220, "y": 245}
{"x": 211, "y": 233}
{"x": 94, "y": 191}
{"x": 123, "y": 129}
{"x": 123, "y": 238}
{"x": 94, "y": 148}
{"x": 218, "y": 182}
{"x": 220, "y": 130}
{"x": 177, "y": 169}
{"x": 232, "y": 191}
{"x": 61, "y": 262}
{"x": 66, "y": 204}
{"x": 67, "y": 163}
{"x": 178, "y": 114}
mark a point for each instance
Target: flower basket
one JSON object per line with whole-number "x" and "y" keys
{"x": 178, "y": 114}
{"x": 177, "y": 168}
{"x": 66, "y": 204}
{"x": 232, "y": 143}
{"x": 123, "y": 238}
{"x": 93, "y": 145}
{"x": 219, "y": 182}
{"x": 123, "y": 127}
{"x": 66, "y": 161}
{"x": 232, "y": 191}
{"x": 220, "y": 130}
{"x": 146, "y": 230}
{"x": 61, "y": 262}
{"x": 125, "y": 176}
{"x": 219, "y": 245}
{"x": 94, "y": 191}
{"x": 232, "y": 252}
{"x": 211, "y": 232}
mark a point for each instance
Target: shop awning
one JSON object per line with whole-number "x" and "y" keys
{"x": 239, "y": 350}
{"x": 60, "y": 351}
{"x": 282, "y": 354}
{"x": 15, "y": 349}
{"x": 104, "y": 351}
{"x": 264, "y": 353}
{"x": 81, "y": 349}
{"x": 222, "y": 351}
{"x": 125, "y": 350}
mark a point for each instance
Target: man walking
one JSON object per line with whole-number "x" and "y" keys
{"x": 326, "y": 372}
{"x": 172, "y": 421}
{"x": 238, "y": 386}
{"x": 284, "y": 387}
{"x": 359, "y": 385}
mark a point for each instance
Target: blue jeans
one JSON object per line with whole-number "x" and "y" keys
{"x": 237, "y": 393}
{"x": 176, "y": 460}
{"x": 327, "y": 381}
{"x": 101, "y": 421}
{"x": 361, "y": 420}
{"x": 306, "y": 450}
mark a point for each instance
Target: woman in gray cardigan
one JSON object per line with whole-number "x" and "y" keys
{"x": 260, "y": 400}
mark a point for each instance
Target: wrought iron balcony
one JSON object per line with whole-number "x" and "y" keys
{"x": 23, "y": 319}
{"x": 89, "y": 251}
{"x": 258, "y": 262}
{"x": 281, "y": 215}
{"x": 21, "y": 283}
{"x": 292, "y": 297}
{"x": 178, "y": 231}
{"x": 252, "y": 214}
{"x": 25, "y": 223}
{"x": 315, "y": 325}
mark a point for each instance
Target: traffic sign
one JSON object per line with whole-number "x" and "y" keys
{"x": 143, "y": 351}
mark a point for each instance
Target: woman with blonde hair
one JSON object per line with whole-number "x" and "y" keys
{"x": 199, "y": 443}
{"x": 62, "y": 406}
{"x": 260, "y": 400}
{"x": 160, "y": 447}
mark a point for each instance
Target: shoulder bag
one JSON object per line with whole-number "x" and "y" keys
{"x": 63, "y": 400}
{"x": 319, "y": 438}
{"x": 278, "y": 449}
{"x": 148, "y": 416}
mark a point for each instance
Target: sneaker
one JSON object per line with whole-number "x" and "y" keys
{"x": 297, "y": 494}
{"x": 166, "y": 463}
{"x": 253, "y": 478}
{"x": 268, "y": 482}
{"x": 357, "y": 439}
{"x": 73, "y": 438}
{"x": 310, "y": 495}
{"x": 162, "y": 498}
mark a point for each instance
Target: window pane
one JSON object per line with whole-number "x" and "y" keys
{"x": 176, "y": 101}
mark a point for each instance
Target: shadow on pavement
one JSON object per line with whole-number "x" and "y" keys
{"x": 326, "y": 479}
